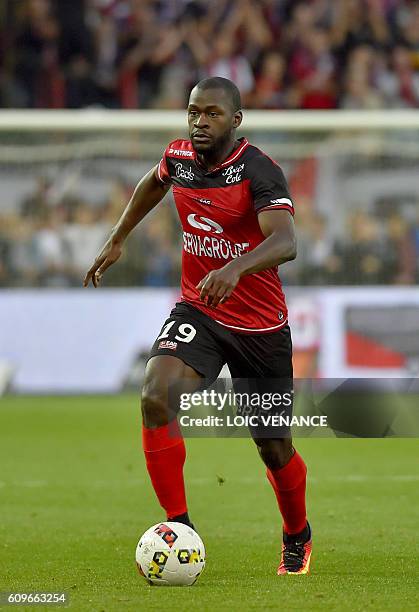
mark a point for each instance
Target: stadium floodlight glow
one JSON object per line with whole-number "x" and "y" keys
{"x": 90, "y": 120}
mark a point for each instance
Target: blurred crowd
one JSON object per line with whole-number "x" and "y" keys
{"x": 376, "y": 248}
{"x": 51, "y": 244}
{"x": 357, "y": 54}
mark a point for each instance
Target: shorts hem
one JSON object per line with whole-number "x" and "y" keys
{"x": 185, "y": 361}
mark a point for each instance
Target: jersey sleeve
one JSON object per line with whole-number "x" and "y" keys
{"x": 269, "y": 186}
{"x": 162, "y": 169}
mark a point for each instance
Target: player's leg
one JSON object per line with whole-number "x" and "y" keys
{"x": 183, "y": 358}
{"x": 163, "y": 444}
{"x": 159, "y": 406}
{"x": 270, "y": 359}
{"x": 286, "y": 471}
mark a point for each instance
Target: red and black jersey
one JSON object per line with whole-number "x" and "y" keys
{"x": 218, "y": 211}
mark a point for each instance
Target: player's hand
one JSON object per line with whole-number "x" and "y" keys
{"x": 217, "y": 286}
{"x": 110, "y": 253}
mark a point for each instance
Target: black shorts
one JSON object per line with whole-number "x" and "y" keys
{"x": 260, "y": 364}
{"x": 206, "y": 346}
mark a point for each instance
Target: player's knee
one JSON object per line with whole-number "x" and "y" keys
{"x": 154, "y": 405}
{"x": 275, "y": 453}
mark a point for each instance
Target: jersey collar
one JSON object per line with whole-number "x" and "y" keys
{"x": 234, "y": 155}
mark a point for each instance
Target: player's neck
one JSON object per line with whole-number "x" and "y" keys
{"x": 211, "y": 160}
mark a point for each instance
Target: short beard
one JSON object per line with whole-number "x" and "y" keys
{"x": 212, "y": 152}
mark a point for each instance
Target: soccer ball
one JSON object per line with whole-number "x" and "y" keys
{"x": 170, "y": 554}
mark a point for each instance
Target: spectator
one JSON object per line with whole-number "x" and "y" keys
{"x": 139, "y": 77}
{"x": 270, "y": 91}
{"x": 359, "y": 94}
{"x": 37, "y": 56}
{"x": 160, "y": 251}
{"x": 226, "y": 61}
{"x": 359, "y": 91}
{"x": 49, "y": 251}
{"x": 312, "y": 67}
{"x": 82, "y": 238}
{"x": 401, "y": 245}
{"x": 415, "y": 232}
{"x": 23, "y": 256}
{"x": 398, "y": 82}
{"x": 364, "y": 255}
{"x": 409, "y": 29}
{"x": 359, "y": 22}
{"x": 5, "y": 256}
{"x": 321, "y": 263}
{"x": 37, "y": 204}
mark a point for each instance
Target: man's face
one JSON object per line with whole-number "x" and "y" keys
{"x": 211, "y": 119}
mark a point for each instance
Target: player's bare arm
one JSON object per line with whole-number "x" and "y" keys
{"x": 278, "y": 247}
{"x": 148, "y": 193}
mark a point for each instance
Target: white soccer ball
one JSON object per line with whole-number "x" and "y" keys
{"x": 170, "y": 554}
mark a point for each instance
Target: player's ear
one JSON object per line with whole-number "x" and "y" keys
{"x": 237, "y": 119}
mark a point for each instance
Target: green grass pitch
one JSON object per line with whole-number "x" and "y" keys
{"x": 75, "y": 498}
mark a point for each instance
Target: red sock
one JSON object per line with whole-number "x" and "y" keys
{"x": 165, "y": 454}
{"x": 289, "y": 484}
